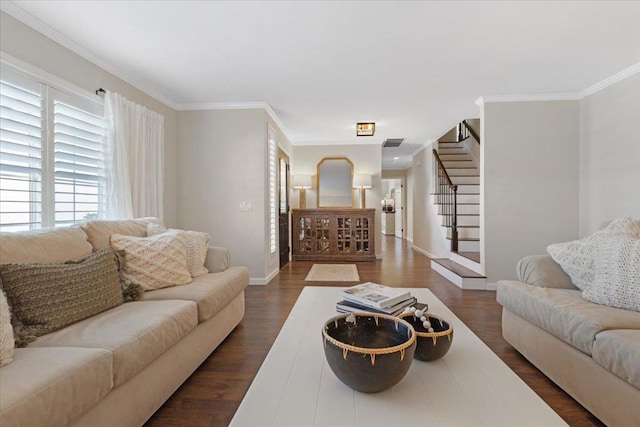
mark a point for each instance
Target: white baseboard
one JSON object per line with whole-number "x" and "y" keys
{"x": 263, "y": 280}
{"x": 423, "y": 252}
{"x": 492, "y": 286}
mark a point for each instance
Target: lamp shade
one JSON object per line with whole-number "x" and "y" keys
{"x": 361, "y": 181}
{"x": 302, "y": 181}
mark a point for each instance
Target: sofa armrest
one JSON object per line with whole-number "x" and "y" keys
{"x": 218, "y": 259}
{"x": 543, "y": 271}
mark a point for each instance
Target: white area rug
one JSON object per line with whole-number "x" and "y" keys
{"x": 333, "y": 273}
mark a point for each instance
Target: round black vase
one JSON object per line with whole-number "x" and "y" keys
{"x": 369, "y": 352}
{"x": 431, "y": 345}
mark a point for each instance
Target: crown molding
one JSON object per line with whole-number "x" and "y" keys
{"x": 528, "y": 98}
{"x": 618, "y": 77}
{"x": 47, "y": 78}
{"x": 422, "y": 147}
{"x": 13, "y": 9}
{"x": 223, "y": 106}
{"x": 627, "y": 72}
{"x": 254, "y": 105}
{"x": 276, "y": 119}
{"x": 315, "y": 143}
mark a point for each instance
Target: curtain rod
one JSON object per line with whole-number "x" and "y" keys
{"x": 100, "y": 91}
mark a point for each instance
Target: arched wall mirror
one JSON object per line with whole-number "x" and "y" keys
{"x": 335, "y": 178}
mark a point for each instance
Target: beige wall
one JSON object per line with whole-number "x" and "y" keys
{"x": 426, "y": 230}
{"x": 610, "y": 155}
{"x": 30, "y": 46}
{"x": 449, "y": 136}
{"x": 367, "y": 159}
{"x": 529, "y": 180}
{"x": 221, "y": 163}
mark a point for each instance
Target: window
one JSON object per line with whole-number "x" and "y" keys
{"x": 273, "y": 208}
{"x": 51, "y": 155}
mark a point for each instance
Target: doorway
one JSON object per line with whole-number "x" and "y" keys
{"x": 283, "y": 207}
{"x": 393, "y": 220}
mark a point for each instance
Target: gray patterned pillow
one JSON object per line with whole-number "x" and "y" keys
{"x": 47, "y": 297}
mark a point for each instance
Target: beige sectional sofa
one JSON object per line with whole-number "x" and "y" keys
{"x": 120, "y": 366}
{"x": 591, "y": 351}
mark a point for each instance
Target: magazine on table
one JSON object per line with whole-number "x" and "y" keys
{"x": 375, "y": 295}
{"x": 351, "y": 307}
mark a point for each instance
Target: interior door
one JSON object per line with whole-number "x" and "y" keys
{"x": 283, "y": 203}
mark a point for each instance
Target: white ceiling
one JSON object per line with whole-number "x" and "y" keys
{"x": 415, "y": 68}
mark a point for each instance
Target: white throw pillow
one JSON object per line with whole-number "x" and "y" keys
{"x": 577, "y": 258}
{"x": 154, "y": 262}
{"x": 197, "y": 246}
{"x": 617, "y": 273}
{"x": 7, "y": 342}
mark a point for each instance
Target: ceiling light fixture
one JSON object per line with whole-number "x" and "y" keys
{"x": 396, "y": 158}
{"x": 365, "y": 128}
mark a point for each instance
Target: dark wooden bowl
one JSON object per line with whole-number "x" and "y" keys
{"x": 431, "y": 345}
{"x": 369, "y": 352}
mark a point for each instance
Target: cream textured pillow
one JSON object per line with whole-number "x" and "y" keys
{"x": 154, "y": 262}
{"x": 197, "y": 245}
{"x": 6, "y": 332}
{"x": 577, "y": 258}
{"x": 617, "y": 273}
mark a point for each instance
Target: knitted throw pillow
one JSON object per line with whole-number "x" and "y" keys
{"x": 197, "y": 246}
{"x": 617, "y": 273}
{"x": 47, "y": 297}
{"x": 153, "y": 262}
{"x": 577, "y": 258}
{"x": 6, "y": 332}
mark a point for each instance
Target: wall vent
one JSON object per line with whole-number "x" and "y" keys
{"x": 392, "y": 142}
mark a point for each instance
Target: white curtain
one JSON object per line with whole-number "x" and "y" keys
{"x": 134, "y": 158}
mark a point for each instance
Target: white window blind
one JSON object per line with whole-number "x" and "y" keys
{"x": 51, "y": 155}
{"x": 21, "y": 135}
{"x": 78, "y": 164}
{"x": 273, "y": 159}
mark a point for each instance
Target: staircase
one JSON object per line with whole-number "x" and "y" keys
{"x": 456, "y": 200}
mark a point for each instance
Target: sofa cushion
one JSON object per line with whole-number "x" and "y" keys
{"x": 48, "y": 297}
{"x": 99, "y": 232}
{"x": 154, "y": 262}
{"x": 53, "y": 386}
{"x": 211, "y": 292}
{"x": 564, "y": 313}
{"x": 136, "y": 333}
{"x": 543, "y": 271}
{"x": 618, "y": 351}
{"x": 46, "y": 245}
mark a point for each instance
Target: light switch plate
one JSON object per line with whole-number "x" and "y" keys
{"x": 245, "y": 206}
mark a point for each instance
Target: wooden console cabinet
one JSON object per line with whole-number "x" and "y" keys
{"x": 333, "y": 234}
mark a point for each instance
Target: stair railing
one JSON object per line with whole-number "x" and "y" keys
{"x": 470, "y": 130}
{"x": 446, "y": 194}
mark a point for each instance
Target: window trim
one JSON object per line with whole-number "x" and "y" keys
{"x": 52, "y": 89}
{"x": 272, "y": 199}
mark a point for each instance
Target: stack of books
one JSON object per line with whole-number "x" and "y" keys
{"x": 375, "y": 298}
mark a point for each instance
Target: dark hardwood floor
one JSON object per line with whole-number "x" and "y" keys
{"x": 212, "y": 394}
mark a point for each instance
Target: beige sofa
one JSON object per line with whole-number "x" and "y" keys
{"x": 120, "y": 366}
{"x": 591, "y": 351}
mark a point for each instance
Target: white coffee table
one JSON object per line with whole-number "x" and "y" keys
{"x": 470, "y": 386}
